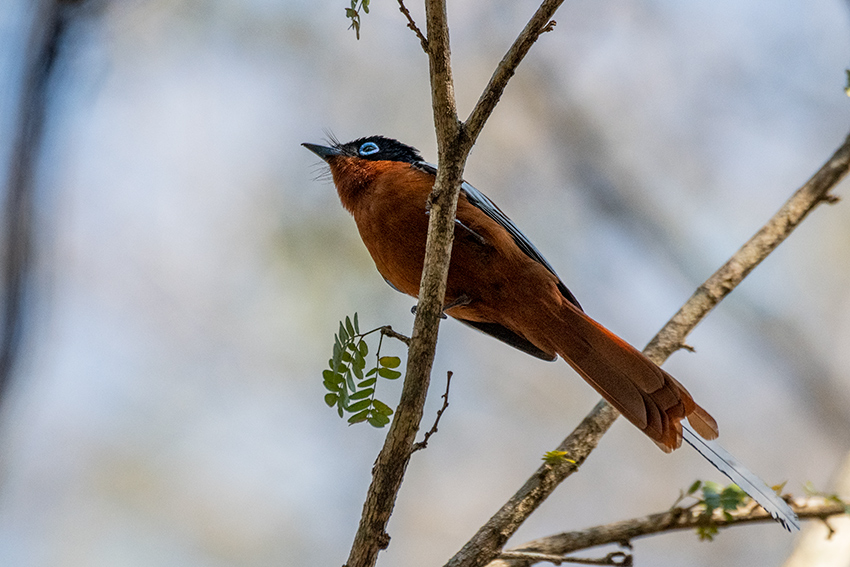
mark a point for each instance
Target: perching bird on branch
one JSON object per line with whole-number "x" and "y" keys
{"x": 500, "y": 284}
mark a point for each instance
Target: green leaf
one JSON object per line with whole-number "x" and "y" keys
{"x": 350, "y": 380}
{"x": 389, "y": 374}
{"x": 389, "y": 361}
{"x": 378, "y": 420}
{"x": 363, "y": 348}
{"x": 349, "y": 327}
{"x": 331, "y": 399}
{"x": 707, "y": 532}
{"x": 358, "y": 371}
{"x": 332, "y": 380}
{"x": 356, "y": 324}
{"x": 358, "y": 417}
{"x": 336, "y": 355}
{"x": 345, "y": 356}
{"x": 373, "y": 371}
{"x": 359, "y": 360}
{"x": 360, "y": 394}
{"x": 359, "y": 406}
{"x": 694, "y": 487}
{"x": 366, "y": 383}
{"x": 381, "y": 407}
{"x": 343, "y": 334}
{"x": 711, "y": 495}
{"x": 732, "y": 497}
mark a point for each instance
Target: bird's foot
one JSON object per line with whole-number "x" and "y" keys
{"x": 462, "y": 300}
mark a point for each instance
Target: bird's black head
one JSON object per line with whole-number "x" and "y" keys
{"x": 375, "y": 148}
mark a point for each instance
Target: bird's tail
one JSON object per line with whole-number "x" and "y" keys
{"x": 652, "y": 400}
{"x": 745, "y": 479}
{"x": 645, "y": 394}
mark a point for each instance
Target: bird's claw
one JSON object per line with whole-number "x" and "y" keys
{"x": 413, "y": 310}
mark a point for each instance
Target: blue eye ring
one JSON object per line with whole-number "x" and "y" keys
{"x": 368, "y": 149}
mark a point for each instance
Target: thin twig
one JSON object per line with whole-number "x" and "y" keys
{"x": 675, "y": 519}
{"x": 388, "y": 331}
{"x": 486, "y": 544}
{"x": 424, "y": 443}
{"x": 540, "y": 22}
{"x": 530, "y": 557}
{"x": 412, "y": 25}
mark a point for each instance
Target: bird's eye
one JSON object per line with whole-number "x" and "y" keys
{"x": 368, "y": 149}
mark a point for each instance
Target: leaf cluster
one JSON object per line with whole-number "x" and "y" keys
{"x": 716, "y": 497}
{"x": 353, "y": 14}
{"x": 351, "y": 388}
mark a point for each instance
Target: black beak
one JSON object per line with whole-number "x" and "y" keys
{"x": 323, "y": 152}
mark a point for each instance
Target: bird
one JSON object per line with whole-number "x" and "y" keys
{"x": 500, "y": 284}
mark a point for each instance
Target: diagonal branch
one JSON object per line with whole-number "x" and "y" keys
{"x": 675, "y": 519}
{"x": 412, "y": 25}
{"x": 539, "y": 23}
{"x": 778, "y": 228}
{"x": 488, "y": 542}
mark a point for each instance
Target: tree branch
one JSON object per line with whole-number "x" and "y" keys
{"x": 489, "y": 540}
{"x": 388, "y": 331}
{"x": 538, "y": 24}
{"x": 412, "y": 25}
{"x": 531, "y": 557}
{"x": 390, "y": 466}
{"x": 674, "y": 519}
{"x": 424, "y": 443}
{"x": 778, "y": 228}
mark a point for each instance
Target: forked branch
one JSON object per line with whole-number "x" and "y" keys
{"x": 454, "y": 141}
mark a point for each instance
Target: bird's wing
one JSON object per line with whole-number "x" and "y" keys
{"x": 482, "y": 202}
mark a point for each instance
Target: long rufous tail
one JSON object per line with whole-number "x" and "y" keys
{"x": 655, "y": 402}
{"x": 645, "y": 394}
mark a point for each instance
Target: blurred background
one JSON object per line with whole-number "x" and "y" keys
{"x": 188, "y": 265}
